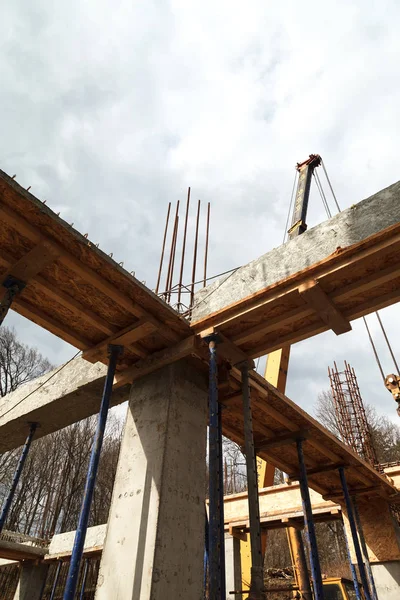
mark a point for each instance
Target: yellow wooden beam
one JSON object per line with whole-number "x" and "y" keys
{"x": 275, "y": 373}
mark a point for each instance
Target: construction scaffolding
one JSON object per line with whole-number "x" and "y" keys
{"x": 351, "y": 418}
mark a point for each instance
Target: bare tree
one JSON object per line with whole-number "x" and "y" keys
{"x": 385, "y": 433}
{"x": 18, "y": 362}
{"x": 49, "y": 494}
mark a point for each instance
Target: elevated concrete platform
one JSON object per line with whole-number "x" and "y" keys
{"x": 332, "y": 274}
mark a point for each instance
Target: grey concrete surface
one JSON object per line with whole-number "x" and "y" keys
{"x": 387, "y": 579}
{"x": 349, "y": 227}
{"x": 31, "y": 581}
{"x": 233, "y": 567}
{"x": 62, "y": 543}
{"x": 72, "y": 394}
{"x": 154, "y": 544}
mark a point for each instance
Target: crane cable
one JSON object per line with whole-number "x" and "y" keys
{"x": 326, "y": 206}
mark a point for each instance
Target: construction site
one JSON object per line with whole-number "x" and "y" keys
{"x": 185, "y": 358}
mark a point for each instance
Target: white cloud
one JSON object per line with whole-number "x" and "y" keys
{"x": 111, "y": 109}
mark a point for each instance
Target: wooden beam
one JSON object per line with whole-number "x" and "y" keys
{"x": 44, "y": 320}
{"x": 237, "y": 533}
{"x": 292, "y": 523}
{"x": 365, "y": 250}
{"x": 289, "y": 437}
{"x": 62, "y": 298}
{"x": 88, "y": 274}
{"x": 317, "y": 470}
{"x": 157, "y": 360}
{"x": 267, "y": 346}
{"x": 338, "y": 494}
{"x": 317, "y": 299}
{"x": 33, "y": 262}
{"x": 271, "y": 325}
{"x": 76, "y": 307}
{"x": 124, "y": 337}
{"x": 367, "y": 283}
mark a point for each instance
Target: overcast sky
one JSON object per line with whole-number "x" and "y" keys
{"x": 109, "y": 110}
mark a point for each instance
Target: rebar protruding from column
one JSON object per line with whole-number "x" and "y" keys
{"x": 183, "y": 249}
{"x": 196, "y": 239}
{"x": 206, "y": 246}
{"x": 353, "y": 529}
{"x": 77, "y": 550}
{"x": 163, "y": 249}
{"x": 17, "y": 476}
{"x": 309, "y": 525}
{"x": 216, "y": 522}
{"x": 257, "y": 575}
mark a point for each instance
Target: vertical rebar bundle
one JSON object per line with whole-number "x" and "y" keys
{"x": 350, "y": 413}
{"x": 176, "y": 293}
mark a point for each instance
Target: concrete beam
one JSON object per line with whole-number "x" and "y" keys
{"x": 62, "y": 543}
{"x": 71, "y": 394}
{"x": 352, "y": 226}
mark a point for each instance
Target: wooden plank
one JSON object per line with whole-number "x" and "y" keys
{"x": 44, "y": 320}
{"x": 266, "y": 346}
{"x": 348, "y": 257}
{"x": 64, "y": 299}
{"x": 317, "y": 470}
{"x": 232, "y": 353}
{"x": 33, "y": 262}
{"x": 316, "y": 298}
{"x": 87, "y": 273}
{"x": 283, "y": 439}
{"x": 367, "y": 283}
{"x": 157, "y": 361}
{"x": 124, "y": 337}
{"x": 76, "y": 307}
{"x": 270, "y": 325}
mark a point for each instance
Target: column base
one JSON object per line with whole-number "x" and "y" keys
{"x": 387, "y": 579}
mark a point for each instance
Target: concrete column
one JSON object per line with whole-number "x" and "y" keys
{"x": 382, "y": 538}
{"x": 154, "y": 545}
{"x": 32, "y": 579}
{"x": 233, "y": 568}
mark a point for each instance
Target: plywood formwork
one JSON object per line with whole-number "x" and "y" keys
{"x": 74, "y": 289}
{"x": 81, "y": 295}
{"x": 321, "y": 280}
{"x": 278, "y": 422}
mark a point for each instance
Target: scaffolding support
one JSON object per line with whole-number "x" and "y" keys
{"x": 77, "y": 550}
{"x": 84, "y": 577}
{"x": 352, "y": 567}
{"x": 309, "y": 525}
{"x": 364, "y": 549}
{"x": 17, "y": 476}
{"x": 257, "y": 576}
{"x": 353, "y": 529}
{"x": 206, "y": 550}
{"x": 55, "y": 582}
{"x": 216, "y": 495}
{"x": 13, "y": 287}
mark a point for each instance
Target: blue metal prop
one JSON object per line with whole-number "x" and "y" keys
{"x": 353, "y": 529}
{"x": 309, "y": 526}
{"x": 77, "y": 550}
{"x": 17, "y": 475}
{"x": 216, "y": 523}
{"x": 364, "y": 549}
{"x": 55, "y": 582}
